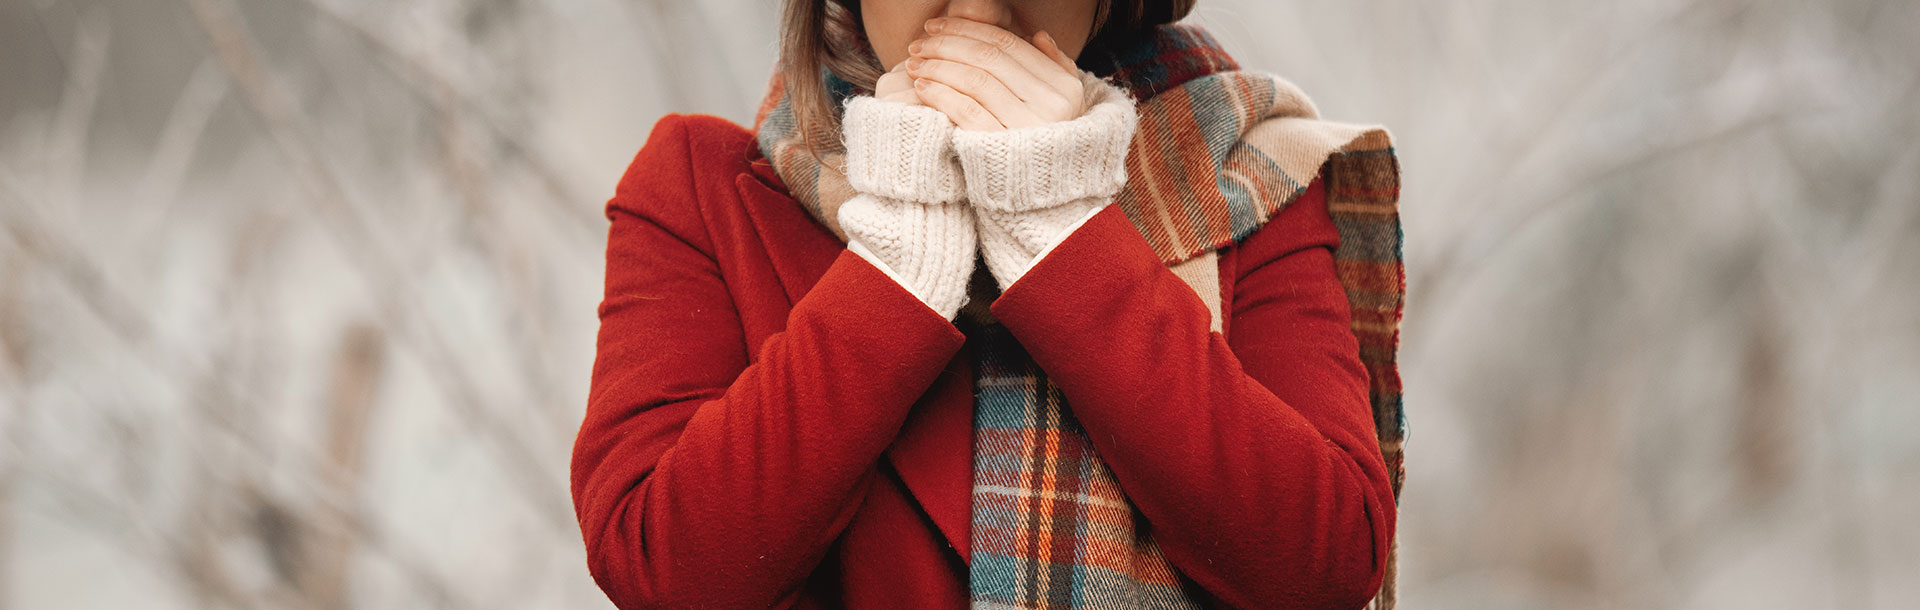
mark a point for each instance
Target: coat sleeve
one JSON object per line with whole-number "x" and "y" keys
{"x": 701, "y": 479}
{"x": 1254, "y": 460}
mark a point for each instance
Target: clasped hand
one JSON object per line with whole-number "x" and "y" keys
{"x": 1037, "y": 145}
{"x": 986, "y": 78}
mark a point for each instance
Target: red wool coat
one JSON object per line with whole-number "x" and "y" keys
{"x": 774, "y": 423}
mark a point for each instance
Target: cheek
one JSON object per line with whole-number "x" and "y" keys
{"x": 1070, "y": 23}
{"x": 890, "y": 26}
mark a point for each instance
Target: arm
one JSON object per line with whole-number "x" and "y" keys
{"x": 1031, "y": 187}
{"x": 703, "y": 480}
{"x": 908, "y": 214}
{"x": 1255, "y": 460}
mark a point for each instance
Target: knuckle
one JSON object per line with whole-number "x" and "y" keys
{"x": 1074, "y": 97}
{"x": 986, "y": 53}
{"x": 974, "y": 79}
{"x": 1054, "y": 105}
{"x": 1002, "y": 40}
{"x": 977, "y": 114}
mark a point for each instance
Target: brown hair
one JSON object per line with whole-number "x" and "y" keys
{"x": 816, "y": 34}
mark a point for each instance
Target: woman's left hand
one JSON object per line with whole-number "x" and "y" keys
{"x": 986, "y": 78}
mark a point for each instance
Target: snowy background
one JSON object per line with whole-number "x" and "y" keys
{"x": 297, "y": 296}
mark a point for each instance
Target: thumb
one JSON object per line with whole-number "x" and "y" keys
{"x": 1045, "y": 42}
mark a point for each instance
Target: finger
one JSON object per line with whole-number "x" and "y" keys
{"x": 904, "y": 97}
{"x": 979, "y": 85}
{"x": 965, "y": 112}
{"x": 1051, "y": 100}
{"x": 892, "y": 82}
{"x": 1027, "y": 71}
{"x": 1046, "y": 44}
{"x": 1018, "y": 49}
{"x": 1076, "y": 101}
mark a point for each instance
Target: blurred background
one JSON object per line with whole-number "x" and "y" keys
{"x": 297, "y": 297}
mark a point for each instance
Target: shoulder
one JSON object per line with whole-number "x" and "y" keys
{"x": 686, "y": 160}
{"x": 1301, "y": 224}
{"x": 684, "y": 150}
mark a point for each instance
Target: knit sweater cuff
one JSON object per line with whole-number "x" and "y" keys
{"x": 940, "y": 306}
{"x": 1028, "y": 168}
{"x": 901, "y": 151}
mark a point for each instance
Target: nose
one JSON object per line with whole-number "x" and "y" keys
{"x": 985, "y": 11}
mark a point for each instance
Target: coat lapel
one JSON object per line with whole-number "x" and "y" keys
{"x": 933, "y": 453}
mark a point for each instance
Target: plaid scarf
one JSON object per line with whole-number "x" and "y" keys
{"x": 1226, "y": 149}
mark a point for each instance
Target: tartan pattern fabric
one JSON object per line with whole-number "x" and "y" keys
{"x": 1051, "y": 527}
{"x": 1363, "y": 195}
{"x": 1217, "y": 152}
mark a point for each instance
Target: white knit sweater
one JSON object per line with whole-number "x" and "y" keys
{"x": 930, "y": 195}
{"x": 1032, "y": 187}
{"x": 908, "y": 216}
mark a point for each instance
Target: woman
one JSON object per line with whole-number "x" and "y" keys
{"x": 1004, "y": 304}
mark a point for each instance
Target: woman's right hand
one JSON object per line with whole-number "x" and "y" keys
{"x": 897, "y": 86}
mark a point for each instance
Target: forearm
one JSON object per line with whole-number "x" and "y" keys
{"x": 1032, "y": 186}
{"x": 907, "y": 215}
{"x": 926, "y": 248}
{"x": 729, "y": 497}
{"x": 1258, "y": 503}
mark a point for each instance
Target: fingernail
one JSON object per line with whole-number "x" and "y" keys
{"x": 913, "y": 47}
{"x": 934, "y": 25}
{"x": 915, "y": 63}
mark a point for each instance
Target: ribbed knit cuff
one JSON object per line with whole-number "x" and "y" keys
{"x": 927, "y": 248}
{"x": 901, "y": 151}
{"x": 1046, "y": 165}
{"x": 1013, "y": 242}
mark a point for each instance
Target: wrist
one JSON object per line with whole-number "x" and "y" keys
{"x": 1013, "y": 242}
{"x": 928, "y": 249}
{"x": 901, "y": 151}
{"x": 1029, "y": 168}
